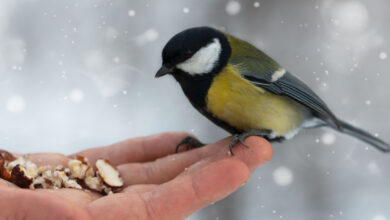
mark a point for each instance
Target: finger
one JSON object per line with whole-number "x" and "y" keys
{"x": 5, "y": 183}
{"x": 139, "y": 188}
{"x": 163, "y": 169}
{"x": 259, "y": 152}
{"x": 139, "y": 149}
{"x": 191, "y": 192}
{"x": 27, "y": 204}
{"x": 79, "y": 197}
{"x": 51, "y": 159}
{"x": 167, "y": 168}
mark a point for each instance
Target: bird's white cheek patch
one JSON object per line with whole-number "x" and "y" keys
{"x": 204, "y": 60}
{"x": 278, "y": 74}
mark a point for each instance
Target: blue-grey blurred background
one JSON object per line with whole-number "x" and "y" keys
{"x": 77, "y": 74}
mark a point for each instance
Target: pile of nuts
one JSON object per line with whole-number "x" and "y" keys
{"x": 78, "y": 175}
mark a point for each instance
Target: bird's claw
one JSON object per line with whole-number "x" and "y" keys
{"x": 190, "y": 143}
{"x": 241, "y": 138}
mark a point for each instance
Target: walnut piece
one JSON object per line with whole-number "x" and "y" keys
{"x": 78, "y": 175}
{"x": 109, "y": 173}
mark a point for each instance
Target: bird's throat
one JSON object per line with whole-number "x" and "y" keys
{"x": 194, "y": 87}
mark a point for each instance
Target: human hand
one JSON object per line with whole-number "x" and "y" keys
{"x": 158, "y": 183}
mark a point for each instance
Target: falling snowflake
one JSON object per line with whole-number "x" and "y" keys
{"x": 114, "y": 80}
{"x": 14, "y": 50}
{"x": 131, "y": 13}
{"x": 383, "y": 55}
{"x": 373, "y": 167}
{"x": 15, "y": 103}
{"x": 379, "y": 217}
{"x": 350, "y": 16}
{"x": 233, "y": 7}
{"x": 148, "y": 36}
{"x": 186, "y": 10}
{"x": 283, "y": 176}
{"x": 117, "y": 60}
{"x": 256, "y": 4}
{"x": 111, "y": 33}
{"x": 328, "y": 138}
{"x": 95, "y": 60}
{"x": 76, "y": 95}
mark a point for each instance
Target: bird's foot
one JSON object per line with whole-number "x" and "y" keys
{"x": 190, "y": 143}
{"x": 241, "y": 137}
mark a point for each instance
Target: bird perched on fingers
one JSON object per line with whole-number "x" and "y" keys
{"x": 244, "y": 91}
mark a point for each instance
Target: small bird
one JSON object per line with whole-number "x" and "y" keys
{"x": 244, "y": 91}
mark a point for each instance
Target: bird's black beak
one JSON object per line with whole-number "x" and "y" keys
{"x": 163, "y": 71}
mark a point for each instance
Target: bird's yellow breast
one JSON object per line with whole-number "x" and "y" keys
{"x": 245, "y": 106}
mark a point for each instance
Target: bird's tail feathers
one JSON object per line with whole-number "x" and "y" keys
{"x": 364, "y": 136}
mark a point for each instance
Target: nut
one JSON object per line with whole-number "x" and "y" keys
{"x": 22, "y": 172}
{"x": 107, "y": 190}
{"x": 65, "y": 181}
{"x": 77, "y": 169}
{"x": 53, "y": 179}
{"x": 84, "y": 160}
{"x": 60, "y": 168}
{"x": 94, "y": 183}
{"x": 41, "y": 183}
{"x": 109, "y": 174}
{"x": 90, "y": 172}
{"x": 78, "y": 175}
{"x": 2, "y": 162}
{"x": 5, "y": 174}
{"x": 19, "y": 177}
{"x": 71, "y": 183}
{"x": 7, "y": 156}
{"x": 30, "y": 168}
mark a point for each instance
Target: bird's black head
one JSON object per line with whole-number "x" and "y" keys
{"x": 195, "y": 51}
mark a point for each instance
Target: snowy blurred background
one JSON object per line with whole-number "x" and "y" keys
{"x": 77, "y": 74}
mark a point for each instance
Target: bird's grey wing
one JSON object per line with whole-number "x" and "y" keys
{"x": 260, "y": 69}
{"x": 287, "y": 85}
{"x": 290, "y": 86}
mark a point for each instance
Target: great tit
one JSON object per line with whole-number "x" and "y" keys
{"x": 244, "y": 91}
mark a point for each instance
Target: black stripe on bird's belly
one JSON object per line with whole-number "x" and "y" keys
{"x": 194, "y": 87}
{"x": 232, "y": 130}
{"x": 219, "y": 122}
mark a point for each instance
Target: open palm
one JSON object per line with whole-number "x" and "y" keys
{"x": 158, "y": 183}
